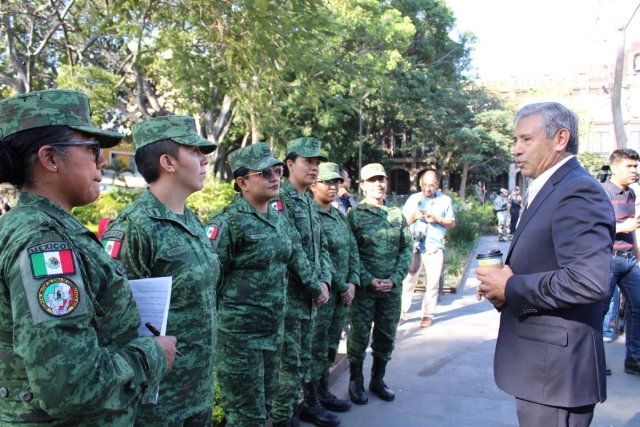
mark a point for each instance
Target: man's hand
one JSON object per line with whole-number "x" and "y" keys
{"x": 324, "y": 296}
{"x": 381, "y": 285}
{"x": 347, "y": 297}
{"x": 418, "y": 215}
{"x": 433, "y": 218}
{"x": 342, "y": 192}
{"x": 628, "y": 226}
{"x": 492, "y": 284}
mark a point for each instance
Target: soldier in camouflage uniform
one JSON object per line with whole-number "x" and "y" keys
{"x": 69, "y": 347}
{"x": 386, "y": 247}
{"x": 156, "y": 236}
{"x": 303, "y": 158}
{"x": 345, "y": 275}
{"x": 255, "y": 244}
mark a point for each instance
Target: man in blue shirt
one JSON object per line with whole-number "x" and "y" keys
{"x": 429, "y": 214}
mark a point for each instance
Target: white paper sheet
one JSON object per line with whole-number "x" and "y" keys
{"x": 153, "y": 297}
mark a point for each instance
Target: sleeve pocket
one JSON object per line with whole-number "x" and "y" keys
{"x": 554, "y": 335}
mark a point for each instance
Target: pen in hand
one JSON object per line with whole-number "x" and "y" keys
{"x": 156, "y": 333}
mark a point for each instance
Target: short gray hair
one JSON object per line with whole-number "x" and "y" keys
{"x": 555, "y": 116}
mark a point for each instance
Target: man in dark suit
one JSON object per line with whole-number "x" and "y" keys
{"x": 549, "y": 353}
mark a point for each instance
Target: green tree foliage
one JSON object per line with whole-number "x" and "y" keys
{"x": 593, "y": 163}
{"x": 252, "y": 70}
{"x": 211, "y": 199}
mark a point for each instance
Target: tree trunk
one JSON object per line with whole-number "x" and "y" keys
{"x": 463, "y": 181}
{"x": 620, "y": 140}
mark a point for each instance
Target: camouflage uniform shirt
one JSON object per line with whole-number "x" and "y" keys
{"x": 156, "y": 242}
{"x": 301, "y": 212}
{"x": 69, "y": 347}
{"x": 255, "y": 250}
{"x": 385, "y": 244}
{"x": 343, "y": 250}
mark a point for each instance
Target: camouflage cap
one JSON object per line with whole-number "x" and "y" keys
{"x": 254, "y": 157}
{"x": 306, "y": 147}
{"x": 371, "y": 170}
{"x": 328, "y": 171}
{"x": 53, "y": 107}
{"x": 181, "y": 129}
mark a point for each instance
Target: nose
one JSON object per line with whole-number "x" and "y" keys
{"x": 204, "y": 161}
{"x": 102, "y": 162}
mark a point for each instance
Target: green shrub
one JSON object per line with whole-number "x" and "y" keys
{"x": 219, "y": 418}
{"x": 108, "y": 205}
{"x": 214, "y": 196}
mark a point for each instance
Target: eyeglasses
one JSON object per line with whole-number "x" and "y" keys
{"x": 331, "y": 182}
{"x": 268, "y": 172}
{"x": 93, "y": 145}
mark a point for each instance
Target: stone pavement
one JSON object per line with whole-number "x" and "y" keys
{"x": 443, "y": 375}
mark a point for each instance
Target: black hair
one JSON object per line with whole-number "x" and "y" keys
{"x": 292, "y": 157}
{"x": 17, "y": 152}
{"x": 623, "y": 154}
{"x": 148, "y": 158}
{"x": 238, "y": 173}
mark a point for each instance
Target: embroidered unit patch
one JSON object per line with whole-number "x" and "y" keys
{"x": 53, "y": 263}
{"x": 112, "y": 247}
{"x": 58, "y": 297}
{"x": 277, "y": 205}
{"x": 212, "y": 231}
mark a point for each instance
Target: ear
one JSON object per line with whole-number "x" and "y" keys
{"x": 48, "y": 159}
{"x": 561, "y": 140}
{"x": 168, "y": 163}
{"x": 289, "y": 164}
{"x": 242, "y": 183}
{"x": 313, "y": 188}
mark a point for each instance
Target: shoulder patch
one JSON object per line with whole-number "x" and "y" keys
{"x": 212, "y": 231}
{"x": 52, "y": 263}
{"x": 113, "y": 234}
{"x": 62, "y": 294}
{"x": 112, "y": 247}
{"x": 59, "y": 296}
{"x": 277, "y": 205}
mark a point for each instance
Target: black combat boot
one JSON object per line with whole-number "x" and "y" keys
{"x": 356, "y": 384}
{"x": 377, "y": 384}
{"x": 313, "y": 412}
{"x": 327, "y": 399}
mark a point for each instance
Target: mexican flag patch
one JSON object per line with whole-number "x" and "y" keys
{"x": 212, "y": 232}
{"x": 52, "y": 263}
{"x": 277, "y": 205}
{"x": 112, "y": 247}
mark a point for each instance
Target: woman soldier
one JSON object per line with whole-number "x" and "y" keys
{"x": 345, "y": 276}
{"x": 255, "y": 244}
{"x": 303, "y": 158}
{"x": 385, "y": 245}
{"x": 69, "y": 347}
{"x": 158, "y": 236}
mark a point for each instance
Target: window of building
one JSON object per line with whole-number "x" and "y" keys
{"x": 602, "y": 143}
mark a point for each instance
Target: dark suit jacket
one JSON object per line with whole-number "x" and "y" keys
{"x": 549, "y": 348}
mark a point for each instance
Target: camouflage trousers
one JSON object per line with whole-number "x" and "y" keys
{"x": 383, "y": 311}
{"x": 199, "y": 419}
{"x": 248, "y": 380}
{"x": 327, "y": 330}
{"x": 296, "y": 356}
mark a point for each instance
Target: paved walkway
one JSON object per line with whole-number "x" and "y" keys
{"x": 443, "y": 375}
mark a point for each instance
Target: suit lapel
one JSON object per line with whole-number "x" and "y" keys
{"x": 542, "y": 195}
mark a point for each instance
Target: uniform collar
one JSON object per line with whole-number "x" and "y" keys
{"x": 54, "y": 210}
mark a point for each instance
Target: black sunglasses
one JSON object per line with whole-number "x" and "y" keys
{"x": 93, "y": 145}
{"x": 267, "y": 172}
{"x": 331, "y": 182}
